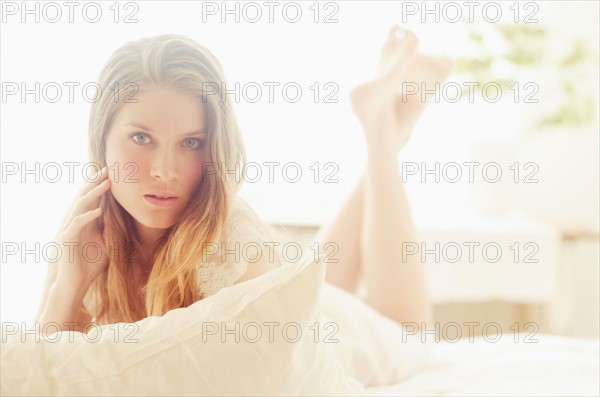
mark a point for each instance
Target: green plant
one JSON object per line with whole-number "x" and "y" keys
{"x": 525, "y": 50}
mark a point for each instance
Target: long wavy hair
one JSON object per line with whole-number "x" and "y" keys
{"x": 178, "y": 62}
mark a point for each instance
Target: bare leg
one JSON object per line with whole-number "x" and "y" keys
{"x": 396, "y": 286}
{"x": 376, "y": 219}
{"x": 344, "y": 232}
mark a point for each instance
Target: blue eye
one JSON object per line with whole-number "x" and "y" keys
{"x": 139, "y": 134}
{"x": 196, "y": 143}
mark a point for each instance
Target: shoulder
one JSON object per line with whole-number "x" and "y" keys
{"x": 247, "y": 250}
{"x": 245, "y": 226}
{"x": 257, "y": 241}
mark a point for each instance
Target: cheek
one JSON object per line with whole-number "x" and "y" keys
{"x": 125, "y": 170}
{"x": 192, "y": 173}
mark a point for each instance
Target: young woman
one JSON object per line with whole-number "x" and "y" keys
{"x": 165, "y": 197}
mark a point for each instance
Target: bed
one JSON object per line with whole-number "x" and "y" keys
{"x": 375, "y": 352}
{"x": 554, "y": 366}
{"x": 367, "y": 354}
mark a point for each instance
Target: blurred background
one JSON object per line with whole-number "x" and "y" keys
{"x": 532, "y": 113}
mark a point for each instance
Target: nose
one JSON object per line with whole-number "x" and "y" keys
{"x": 164, "y": 165}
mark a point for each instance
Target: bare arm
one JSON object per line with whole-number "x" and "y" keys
{"x": 64, "y": 308}
{"x": 52, "y": 271}
{"x": 69, "y": 279}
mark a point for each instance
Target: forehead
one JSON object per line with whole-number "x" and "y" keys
{"x": 161, "y": 108}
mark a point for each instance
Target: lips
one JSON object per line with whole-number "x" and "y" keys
{"x": 159, "y": 196}
{"x": 158, "y": 201}
{"x": 160, "y": 193}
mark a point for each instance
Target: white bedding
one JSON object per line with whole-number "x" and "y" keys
{"x": 555, "y": 366}
{"x": 369, "y": 352}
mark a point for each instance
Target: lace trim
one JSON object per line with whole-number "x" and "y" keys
{"x": 243, "y": 227}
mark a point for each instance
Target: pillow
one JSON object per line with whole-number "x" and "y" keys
{"x": 212, "y": 347}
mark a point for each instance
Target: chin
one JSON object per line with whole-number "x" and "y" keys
{"x": 155, "y": 222}
{"x": 158, "y": 225}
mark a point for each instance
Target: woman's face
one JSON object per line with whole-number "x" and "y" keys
{"x": 156, "y": 147}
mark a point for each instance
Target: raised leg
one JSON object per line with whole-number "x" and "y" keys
{"x": 344, "y": 232}
{"x": 396, "y": 286}
{"x": 375, "y": 222}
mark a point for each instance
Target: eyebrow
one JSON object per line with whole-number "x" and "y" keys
{"x": 140, "y": 125}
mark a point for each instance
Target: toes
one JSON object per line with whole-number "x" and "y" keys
{"x": 404, "y": 37}
{"x": 393, "y": 31}
{"x": 409, "y": 41}
{"x": 397, "y": 52}
{"x": 397, "y": 55}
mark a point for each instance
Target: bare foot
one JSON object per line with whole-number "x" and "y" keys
{"x": 385, "y": 111}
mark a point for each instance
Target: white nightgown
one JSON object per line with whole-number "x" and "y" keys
{"x": 244, "y": 236}
{"x": 372, "y": 348}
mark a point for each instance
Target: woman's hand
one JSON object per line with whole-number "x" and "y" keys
{"x": 80, "y": 230}
{"x": 388, "y": 107}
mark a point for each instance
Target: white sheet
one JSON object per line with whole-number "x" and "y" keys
{"x": 555, "y": 366}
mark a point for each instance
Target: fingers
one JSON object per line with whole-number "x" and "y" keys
{"x": 89, "y": 185}
{"x": 89, "y": 197}
{"x": 100, "y": 176}
{"x": 77, "y": 223}
{"x": 95, "y": 193}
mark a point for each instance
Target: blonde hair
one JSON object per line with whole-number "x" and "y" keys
{"x": 183, "y": 64}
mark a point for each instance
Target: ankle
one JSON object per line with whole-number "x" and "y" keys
{"x": 381, "y": 152}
